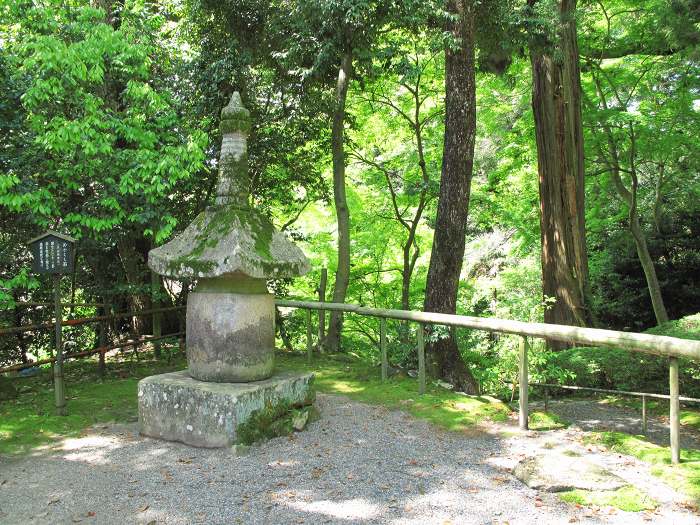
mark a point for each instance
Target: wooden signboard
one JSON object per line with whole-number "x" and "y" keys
{"x": 54, "y": 253}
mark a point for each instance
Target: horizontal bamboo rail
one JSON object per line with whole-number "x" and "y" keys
{"x": 619, "y": 392}
{"x": 33, "y": 303}
{"x": 85, "y": 320}
{"x": 671, "y": 347}
{"x": 86, "y": 353}
{"x": 647, "y": 343}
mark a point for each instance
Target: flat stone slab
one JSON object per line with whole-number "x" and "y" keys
{"x": 558, "y": 472}
{"x": 176, "y": 407}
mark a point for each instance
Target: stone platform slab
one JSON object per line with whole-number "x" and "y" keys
{"x": 176, "y": 407}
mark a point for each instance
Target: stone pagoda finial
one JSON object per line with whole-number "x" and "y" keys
{"x": 234, "y": 182}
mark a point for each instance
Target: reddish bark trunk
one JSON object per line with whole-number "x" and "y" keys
{"x": 453, "y": 202}
{"x": 556, "y": 103}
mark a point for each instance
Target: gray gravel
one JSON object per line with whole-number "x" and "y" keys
{"x": 358, "y": 464}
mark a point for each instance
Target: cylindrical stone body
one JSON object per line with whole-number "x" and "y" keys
{"x": 230, "y": 336}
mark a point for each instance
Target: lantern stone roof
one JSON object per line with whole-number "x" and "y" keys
{"x": 230, "y": 237}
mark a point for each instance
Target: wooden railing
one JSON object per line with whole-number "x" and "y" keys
{"x": 671, "y": 347}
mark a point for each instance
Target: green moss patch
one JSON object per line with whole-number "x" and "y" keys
{"x": 545, "y": 421}
{"x": 358, "y": 380}
{"x": 274, "y": 421}
{"x": 627, "y": 498}
{"x": 684, "y": 477}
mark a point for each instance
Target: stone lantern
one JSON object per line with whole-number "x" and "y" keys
{"x": 230, "y": 249}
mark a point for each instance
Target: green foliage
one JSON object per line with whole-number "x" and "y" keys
{"x": 93, "y": 110}
{"x": 624, "y": 370}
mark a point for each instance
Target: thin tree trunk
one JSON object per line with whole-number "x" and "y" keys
{"x": 629, "y": 197}
{"x": 657, "y": 301}
{"x": 138, "y": 278}
{"x": 279, "y": 323}
{"x": 556, "y": 103}
{"x": 453, "y": 202}
{"x": 342, "y": 273}
{"x": 17, "y": 314}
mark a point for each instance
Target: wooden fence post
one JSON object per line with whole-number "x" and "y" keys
{"x": 156, "y": 317}
{"x": 309, "y": 337}
{"x": 58, "y": 383}
{"x": 101, "y": 367}
{"x": 322, "y": 313}
{"x": 522, "y": 365}
{"x": 421, "y": 359}
{"x": 382, "y": 347}
{"x": 675, "y": 421}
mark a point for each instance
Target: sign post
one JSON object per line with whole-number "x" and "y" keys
{"x": 54, "y": 254}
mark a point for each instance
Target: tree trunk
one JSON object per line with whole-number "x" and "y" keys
{"x": 342, "y": 273}
{"x": 657, "y": 301}
{"x": 453, "y": 201}
{"x": 17, "y": 314}
{"x": 556, "y": 103}
{"x": 629, "y": 197}
{"x": 139, "y": 279}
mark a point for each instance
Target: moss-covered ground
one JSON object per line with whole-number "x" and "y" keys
{"x": 29, "y": 422}
{"x": 627, "y": 498}
{"x": 684, "y": 477}
{"x": 354, "y": 378}
{"x": 545, "y": 421}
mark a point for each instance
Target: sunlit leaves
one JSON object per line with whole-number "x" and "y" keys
{"x": 108, "y": 137}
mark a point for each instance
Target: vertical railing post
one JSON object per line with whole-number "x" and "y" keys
{"x": 382, "y": 347}
{"x": 644, "y": 415}
{"x": 157, "y": 316}
{"x": 546, "y": 399}
{"x": 58, "y": 384}
{"x": 102, "y": 341}
{"x": 322, "y": 313}
{"x": 675, "y": 421}
{"x": 309, "y": 337}
{"x": 522, "y": 365}
{"x": 421, "y": 359}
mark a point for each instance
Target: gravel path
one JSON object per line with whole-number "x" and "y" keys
{"x": 593, "y": 415}
{"x": 358, "y": 464}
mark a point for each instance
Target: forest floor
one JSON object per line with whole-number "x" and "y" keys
{"x": 373, "y": 457}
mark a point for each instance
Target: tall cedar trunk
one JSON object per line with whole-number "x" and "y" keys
{"x": 453, "y": 201}
{"x": 556, "y": 103}
{"x": 342, "y": 273}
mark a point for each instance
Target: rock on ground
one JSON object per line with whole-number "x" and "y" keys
{"x": 559, "y": 472}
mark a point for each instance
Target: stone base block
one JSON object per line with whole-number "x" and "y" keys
{"x": 176, "y": 407}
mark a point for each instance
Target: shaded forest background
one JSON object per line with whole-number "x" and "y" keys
{"x": 388, "y": 137}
